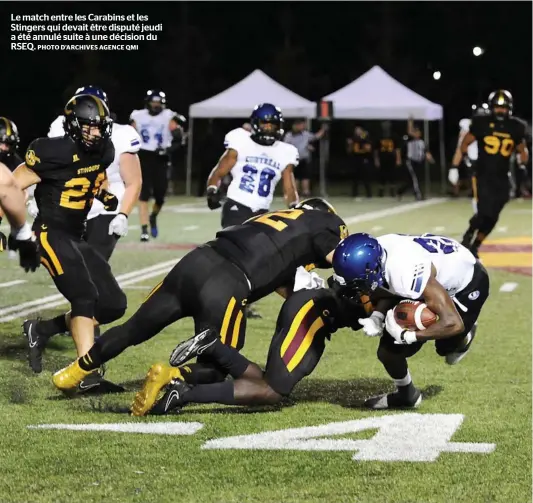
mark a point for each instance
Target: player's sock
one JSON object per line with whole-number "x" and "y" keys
{"x": 201, "y": 373}
{"x": 92, "y": 360}
{"x": 57, "y": 325}
{"x": 220, "y": 392}
{"x": 156, "y": 208}
{"x": 227, "y": 358}
{"x": 144, "y": 229}
{"x": 405, "y": 385}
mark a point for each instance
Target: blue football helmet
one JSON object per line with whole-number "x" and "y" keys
{"x": 267, "y": 124}
{"x": 93, "y": 91}
{"x": 155, "y": 100}
{"x": 358, "y": 259}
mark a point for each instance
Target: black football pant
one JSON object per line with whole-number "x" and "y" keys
{"x": 413, "y": 170}
{"x": 234, "y": 213}
{"x": 490, "y": 199}
{"x": 386, "y": 177}
{"x": 362, "y": 174}
{"x": 97, "y": 235}
{"x": 204, "y": 286}
{"x": 81, "y": 275}
{"x": 155, "y": 177}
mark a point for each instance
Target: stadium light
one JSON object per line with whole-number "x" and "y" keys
{"x": 485, "y": 106}
{"x": 474, "y": 107}
{"x": 477, "y": 51}
{"x": 437, "y": 75}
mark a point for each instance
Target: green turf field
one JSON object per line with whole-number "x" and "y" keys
{"x": 399, "y": 458}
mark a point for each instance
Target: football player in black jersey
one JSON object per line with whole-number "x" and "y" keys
{"x": 70, "y": 171}
{"x": 12, "y": 205}
{"x": 306, "y": 320}
{"x": 387, "y": 158}
{"x": 9, "y": 142}
{"x": 213, "y": 283}
{"x": 498, "y": 135}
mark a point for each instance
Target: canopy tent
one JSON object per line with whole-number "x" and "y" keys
{"x": 239, "y": 100}
{"x": 376, "y": 95}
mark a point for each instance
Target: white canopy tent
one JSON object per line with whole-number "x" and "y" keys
{"x": 378, "y": 96}
{"x": 239, "y": 100}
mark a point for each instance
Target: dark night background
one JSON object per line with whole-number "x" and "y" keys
{"x": 313, "y": 48}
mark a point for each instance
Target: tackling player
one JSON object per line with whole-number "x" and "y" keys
{"x": 70, "y": 172}
{"x": 306, "y": 320}
{"x": 105, "y": 227}
{"x": 498, "y": 135}
{"x": 256, "y": 161}
{"x": 12, "y": 204}
{"x": 157, "y": 125}
{"x": 213, "y": 283}
{"x": 451, "y": 282}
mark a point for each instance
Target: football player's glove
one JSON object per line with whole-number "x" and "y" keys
{"x": 453, "y": 175}
{"x": 24, "y": 241}
{"x": 213, "y": 197}
{"x": 161, "y": 151}
{"x": 119, "y": 225}
{"x": 31, "y": 206}
{"x": 373, "y": 326}
{"x": 110, "y": 201}
{"x": 3, "y": 242}
{"x": 399, "y": 334}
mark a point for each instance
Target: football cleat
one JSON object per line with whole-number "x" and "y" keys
{"x": 36, "y": 344}
{"x": 157, "y": 378}
{"x": 196, "y": 345}
{"x": 172, "y": 399}
{"x": 394, "y": 401}
{"x": 70, "y": 377}
{"x": 153, "y": 226}
{"x": 95, "y": 383}
{"x": 456, "y": 357}
{"x": 145, "y": 237}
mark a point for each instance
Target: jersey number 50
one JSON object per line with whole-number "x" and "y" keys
{"x": 265, "y": 180}
{"x": 74, "y": 197}
{"x": 493, "y": 145}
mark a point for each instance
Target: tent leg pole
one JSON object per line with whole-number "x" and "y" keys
{"x": 442, "y": 157}
{"x": 188, "y": 180}
{"x": 426, "y": 165}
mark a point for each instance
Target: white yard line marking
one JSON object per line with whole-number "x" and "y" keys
{"x": 162, "y": 428}
{"x": 440, "y": 229}
{"x": 508, "y": 287}
{"x": 58, "y": 299}
{"x": 13, "y": 283}
{"x": 395, "y": 210}
{"x": 190, "y": 228}
{"x": 137, "y": 287}
{"x": 502, "y": 229}
{"x": 133, "y": 227}
{"x": 376, "y": 228}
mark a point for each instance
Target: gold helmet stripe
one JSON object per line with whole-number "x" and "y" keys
{"x": 8, "y": 126}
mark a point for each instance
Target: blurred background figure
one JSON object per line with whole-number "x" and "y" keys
{"x": 9, "y": 142}
{"x": 387, "y": 159}
{"x": 359, "y": 147}
{"x": 417, "y": 154}
{"x": 301, "y": 138}
{"x": 177, "y": 153}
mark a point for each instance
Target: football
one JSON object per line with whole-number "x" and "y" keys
{"x": 414, "y": 315}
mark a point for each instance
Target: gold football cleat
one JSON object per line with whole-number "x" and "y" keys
{"x": 68, "y": 378}
{"x": 157, "y": 378}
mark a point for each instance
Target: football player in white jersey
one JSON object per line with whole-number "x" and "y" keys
{"x": 257, "y": 161}
{"x": 157, "y": 125}
{"x": 104, "y": 228}
{"x": 436, "y": 270}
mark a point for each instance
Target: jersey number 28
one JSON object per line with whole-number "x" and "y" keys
{"x": 74, "y": 197}
{"x": 249, "y": 178}
{"x": 436, "y": 244}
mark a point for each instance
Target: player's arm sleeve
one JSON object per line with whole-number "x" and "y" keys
{"x": 233, "y": 140}
{"x": 292, "y": 156}
{"x": 409, "y": 280}
{"x": 327, "y": 239}
{"x": 130, "y": 141}
{"x": 38, "y": 157}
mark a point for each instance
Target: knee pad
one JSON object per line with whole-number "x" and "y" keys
{"x": 109, "y": 311}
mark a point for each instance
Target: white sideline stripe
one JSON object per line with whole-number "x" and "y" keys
{"x": 508, "y": 287}
{"x": 13, "y": 283}
{"x": 62, "y": 300}
{"x": 395, "y": 210}
{"x": 52, "y": 298}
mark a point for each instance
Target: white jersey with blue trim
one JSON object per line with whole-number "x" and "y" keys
{"x": 258, "y": 169}
{"x": 408, "y": 261}
{"x": 125, "y": 140}
{"x": 154, "y": 129}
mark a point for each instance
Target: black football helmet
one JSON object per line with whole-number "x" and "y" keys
{"x": 316, "y": 203}
{"x": 9, "y": 138}
{"x": 501, "y": 99}
{"x": 155, "y": 101}
{"x": 267, "y": 124}
{"x": 84, "y": 112}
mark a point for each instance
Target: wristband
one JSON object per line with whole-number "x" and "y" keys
{"x": 212, "y": 187}
{"x": 122, "y": 213}
{"x": 379, "y": 315}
